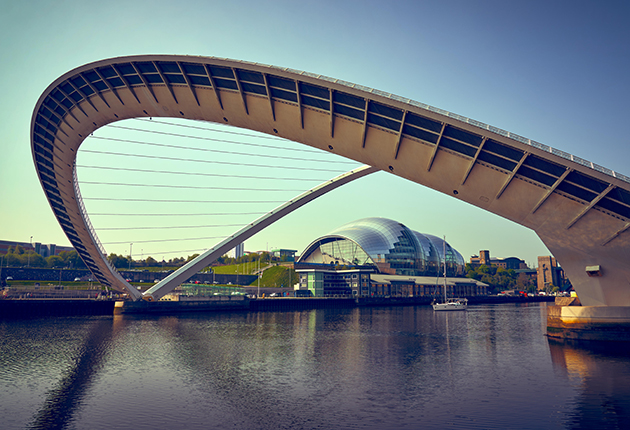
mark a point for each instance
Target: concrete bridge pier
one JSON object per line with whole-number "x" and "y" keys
{"x": 569, "y": 320}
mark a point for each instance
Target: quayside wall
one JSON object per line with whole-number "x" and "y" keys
{"x": 29, "y": 307}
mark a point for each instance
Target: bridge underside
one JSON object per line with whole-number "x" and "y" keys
{"x": 579, "y": 210}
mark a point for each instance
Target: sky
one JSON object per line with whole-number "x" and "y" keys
{"x": 553, "y": 71}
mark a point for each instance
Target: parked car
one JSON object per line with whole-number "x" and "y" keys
{"x": 77, "y": 279}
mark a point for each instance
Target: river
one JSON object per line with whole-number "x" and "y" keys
{"x": 361, "y": 368}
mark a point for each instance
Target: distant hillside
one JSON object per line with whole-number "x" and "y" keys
{"x": 277, "y": 276}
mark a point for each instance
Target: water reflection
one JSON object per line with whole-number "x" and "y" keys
{"x": 602, "y": 374}
{"x": 367, "y": 368}
{"x": 62, "y": 401}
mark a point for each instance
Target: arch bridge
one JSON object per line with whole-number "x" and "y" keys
{"x": 581, "y": 211}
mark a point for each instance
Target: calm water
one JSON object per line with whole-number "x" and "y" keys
{"x": 372, "y": 368}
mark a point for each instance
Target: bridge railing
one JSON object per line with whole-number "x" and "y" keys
{"x": 467, "y": 120}
{"x": 87, "y": 221}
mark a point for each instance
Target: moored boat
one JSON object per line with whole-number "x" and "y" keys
{"x": 454, "y": 304}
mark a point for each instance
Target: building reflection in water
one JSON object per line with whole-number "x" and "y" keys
{"x": 373, "y": 368}
{"x": 601, "y": 373}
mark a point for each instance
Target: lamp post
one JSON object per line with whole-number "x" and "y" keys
{"x": 130, "y": 253}
{"x": 28, "y": 264}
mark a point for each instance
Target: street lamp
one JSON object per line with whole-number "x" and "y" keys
{"x": 29, "y": 253}
{"x": 130, "y": 253}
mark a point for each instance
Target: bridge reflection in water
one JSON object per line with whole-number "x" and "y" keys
{"x": 602, "y": 374}
{"x": 364, "y": 368}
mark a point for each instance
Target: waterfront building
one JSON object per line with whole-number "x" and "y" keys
{"x": 549, "y": 273}
{"x": 379, "y": 256}
{"x": 506, "y": 263}
{"x": 287, "y": 254}
{"x": 45, "y": 250}
{"x": 238, "y": 251}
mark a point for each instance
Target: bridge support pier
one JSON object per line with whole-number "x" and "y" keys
{"x": 609, "y": 323}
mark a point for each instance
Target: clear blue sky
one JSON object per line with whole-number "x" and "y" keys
{"x": 554, "y": 71}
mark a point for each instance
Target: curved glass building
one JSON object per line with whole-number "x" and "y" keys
{"x": 387, "y": 246}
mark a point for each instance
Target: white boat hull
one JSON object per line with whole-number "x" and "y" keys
{"x": 450, "y": 306}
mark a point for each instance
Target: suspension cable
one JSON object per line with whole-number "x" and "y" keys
{"x": 211, "y": 139}
{"x": 290, "y": 160}
{"x": 209, "y": 129}
{"x": 190, "y": 187}
{"x": 192, "y": 160}
{"x": 163, "y": 240}
{"x": 203, "y": 214}
{"x": 199, "y": 174}
{"x": 219, "y": 151}
{"x": 112, "y": 199}
{"x": 170, "y": 227}
{"x": 172, "y": 252}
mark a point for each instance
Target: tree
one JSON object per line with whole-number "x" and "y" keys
{"x": 496, "y": 277}
{"x": 118, "y": 261}
{"x": 265, "y": 258}
{"x": 151, "y": 262}
{"x": 483, "y": 269}
{"x": 55, "y": 261}
{"x": 36, "y": 260}
{"x": 12, "y": 260}
{"x": 72, "y": 259}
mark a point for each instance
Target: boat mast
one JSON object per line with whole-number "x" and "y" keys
{"x": 444, "y": 254}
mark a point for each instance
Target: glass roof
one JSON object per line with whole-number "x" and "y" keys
{"x": 388, "y": 245}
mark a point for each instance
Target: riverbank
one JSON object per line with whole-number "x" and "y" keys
{"x": 26, "y": 308}
{"x": 37, "y": 307}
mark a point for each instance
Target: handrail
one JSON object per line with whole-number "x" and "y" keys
{"x": 475, "y": 123}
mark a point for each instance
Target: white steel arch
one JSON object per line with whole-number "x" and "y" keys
{"x": 169, "y": 283}
{"x": 580, "y": 210}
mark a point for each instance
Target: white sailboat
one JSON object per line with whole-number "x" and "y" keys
{"x": 453, "y": 304}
